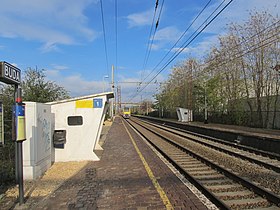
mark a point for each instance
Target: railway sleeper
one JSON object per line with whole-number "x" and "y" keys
{"x": 190, "y": 162}
{"x": 194, "y": 169}
{"x": 225, "y": 188}
{"x": 248, "y": 203}
{"x": 216, "y": 182}
{"x": 216, "y": 176}
{"x": 246, "y": 194}
{"x": 202, "y": 173}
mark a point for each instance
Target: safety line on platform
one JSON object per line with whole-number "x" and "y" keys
{"x": 160, "y": 191}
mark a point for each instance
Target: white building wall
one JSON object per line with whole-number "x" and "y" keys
{"x": 37, "y": 147}
{"x": 81, "y": 140}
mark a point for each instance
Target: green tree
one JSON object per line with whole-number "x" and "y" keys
{"x": 36, "y": 88}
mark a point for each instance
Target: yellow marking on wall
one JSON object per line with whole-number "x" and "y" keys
{"x": 84, "y": 104}
{"x": 160, "y": 191}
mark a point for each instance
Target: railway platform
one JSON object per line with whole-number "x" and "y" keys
{"x": 128, "y": 176}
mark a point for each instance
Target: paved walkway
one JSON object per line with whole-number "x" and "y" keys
{"x": 120, "y": 180}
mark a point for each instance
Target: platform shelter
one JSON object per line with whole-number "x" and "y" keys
{"x": 61, "y": 131}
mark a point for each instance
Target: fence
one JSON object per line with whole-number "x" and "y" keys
{"x": 269, "y": 119}
{"x": 250, "y": 119}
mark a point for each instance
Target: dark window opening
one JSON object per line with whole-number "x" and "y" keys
{"x": 75, "y": 120}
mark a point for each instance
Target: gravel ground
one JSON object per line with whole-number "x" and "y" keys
{"x": 43, "y": 187}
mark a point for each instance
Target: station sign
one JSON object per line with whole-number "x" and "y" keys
{"x": 9, "y": 74}
{"x": 97, "y": 103}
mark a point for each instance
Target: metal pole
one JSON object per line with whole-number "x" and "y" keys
{"x": 205, "y": 109}
{"x": 20, "y": 173}
{"x": 20, "y": 158}
{"x": 14, "y": 136}
{"x": 112, "y": 107}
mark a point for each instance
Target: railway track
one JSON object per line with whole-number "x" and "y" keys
{"x": 265, "y": 159}
{"x": 211, "y": 172}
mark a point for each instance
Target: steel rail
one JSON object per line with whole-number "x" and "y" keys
{"x": 227, "y": 151}
{"x": 270, "y": 196}
{"x": 171, "y": 124}
{"x": 218, "y": 202}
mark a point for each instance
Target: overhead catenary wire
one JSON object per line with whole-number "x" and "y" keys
{"x": 150, "y": 34}
{"x": 153, "y": 37}
{"x": 182, "y": 35}
{"x": 157, "y": 23}
{"x": 196, "y": 33}
{"x": 104, "y": 36}
{"x": 187, "y": 43}
{"x": 265, "y": 43}
{"x": 264, "y": 30}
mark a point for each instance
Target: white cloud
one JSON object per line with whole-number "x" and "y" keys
{"x": 155, "y": 46}
{"x": 177, "y": 49}
{"x": 50, "y": 22}
{"x": 75, "y": 83}
{"x": 140, "y": 19}
{"x": 201, "y": 48}
{"x": 165, "y": 36}
{"x": 169, "y": 33}
{"x": 60, "y": 67}
{"x": 55, "y": 71}
{"x": 85, "y": 87}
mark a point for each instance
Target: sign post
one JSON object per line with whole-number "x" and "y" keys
{"x": 1, "y": 123}
{"x": 10, "y": 74}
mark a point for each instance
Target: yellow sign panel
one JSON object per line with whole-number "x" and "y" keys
{"x": 84, "y": 104}
{"x": 21, "y": 128}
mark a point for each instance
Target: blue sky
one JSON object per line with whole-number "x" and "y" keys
{"x": 65, "y": 38}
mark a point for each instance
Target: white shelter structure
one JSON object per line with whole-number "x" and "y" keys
{"x": 80, "y": 120}
{"x": 60, "y": 131}
{"x": 37, "y": 149}
{"x": 184, "y": 115}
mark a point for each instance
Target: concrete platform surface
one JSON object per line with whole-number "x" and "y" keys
{"x": 120, "y": 180}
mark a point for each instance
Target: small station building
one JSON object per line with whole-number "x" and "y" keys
{"x": 60, "y": 131}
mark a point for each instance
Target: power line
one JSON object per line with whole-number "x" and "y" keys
{"x": 251, "y": 37}
{"x": 197, "y": 32}
{"x": 182, "y": 35}
{"x": 238, "y": 55}
{"x": 104, "y": 36}
{"x": 188, "y": 42}
{"x": 152, "y": 41}
{"x": 157, "y": 23}
{"x": 265, "y": 43}
{"x": 149, "y": 38}
{"x": 241, "y": 55}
